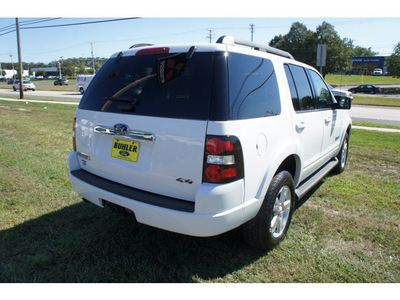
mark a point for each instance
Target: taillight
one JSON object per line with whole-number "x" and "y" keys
{"x": 223, "y": 159}
{"x": 74, "y": 135}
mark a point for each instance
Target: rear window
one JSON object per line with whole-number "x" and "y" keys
{"x": 130, "y": 85}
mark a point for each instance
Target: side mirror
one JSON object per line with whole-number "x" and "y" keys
{"x": 343, "y": 102}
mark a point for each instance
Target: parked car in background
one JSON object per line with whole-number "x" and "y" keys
{"x": 82, "y": 82}
{"x": 377, "y": 72}
{"x": 27, "y": 85}
{"x": 61, "y": 81}
{"x": 366, "y": 88}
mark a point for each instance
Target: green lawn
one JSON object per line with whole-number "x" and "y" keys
{"x": 346, "y": 230}
{"x": 339, "y": 80}
{"x": 377, "y": 101}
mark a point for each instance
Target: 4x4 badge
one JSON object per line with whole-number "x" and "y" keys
{"x": 185, "y": 180}
{"x": 121, "y": 128}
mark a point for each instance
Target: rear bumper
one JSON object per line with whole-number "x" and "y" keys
{"x": 217, "y": 209}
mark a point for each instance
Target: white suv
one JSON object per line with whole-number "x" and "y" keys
{"x": 27, "y": 85}
{"x": 82, "y": 82}
{"x": 203, "y": 139}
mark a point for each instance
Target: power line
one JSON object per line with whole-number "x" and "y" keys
{"x": 81, "y": 23}
{"x": 12, "y": 28}
{"x": 38, "y": 21}
{"x": 7, "y": 32}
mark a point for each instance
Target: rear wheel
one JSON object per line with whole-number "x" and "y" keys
{"x": 269, "y": 227}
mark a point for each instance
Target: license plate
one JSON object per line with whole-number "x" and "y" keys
{"x": 125, "y": 150}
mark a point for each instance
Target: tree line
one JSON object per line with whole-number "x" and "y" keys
{"x": 70, "y": 67}
{"x": 300, "y": 41}
{"x": 302, "y": 44}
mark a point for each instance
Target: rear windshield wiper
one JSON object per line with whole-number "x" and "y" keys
{"x": 116, "y": 98}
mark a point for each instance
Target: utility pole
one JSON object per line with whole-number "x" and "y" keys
{"x": 210, "y": 34}
{"x": 91, "y": 44}
{"x": 59, "y": 67}
{"x": 252, "y": 31}
{"x": 12, "y": 64}
{"x": 21, "y": 83}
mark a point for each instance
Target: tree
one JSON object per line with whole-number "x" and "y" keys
{"x": 298, "y": 42}
{"x": 338, "y": 53}
{"x": 302, "y": 44}
{"x": 393, "y": 62}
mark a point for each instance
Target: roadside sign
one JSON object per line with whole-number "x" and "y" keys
{"x": 321, "y": 55}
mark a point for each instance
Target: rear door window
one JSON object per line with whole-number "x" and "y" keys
{"x": 129, "y": 85}
{"x": 304, "y": 94}
{"x": 253, "y": 87}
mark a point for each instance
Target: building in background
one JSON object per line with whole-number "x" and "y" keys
{"x": 366, "y": 65}
{"x": 46, "y": 72}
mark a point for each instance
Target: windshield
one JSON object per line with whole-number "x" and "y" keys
{"x": 130, "y": 85}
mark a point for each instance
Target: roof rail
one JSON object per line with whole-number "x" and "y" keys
{"x": 230, "y": 40}
{"x": 140, "y": 45}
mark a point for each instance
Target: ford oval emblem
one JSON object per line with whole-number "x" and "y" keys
{"x": 124, "y": 153}
{"x": 121, "y": 128}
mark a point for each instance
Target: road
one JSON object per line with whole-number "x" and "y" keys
{"x": 71, "y": 96}
{"x": 376, "y": 114}
{"x": 347, "y": 87}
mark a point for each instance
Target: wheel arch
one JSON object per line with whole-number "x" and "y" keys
{"x": 291, "y": 164}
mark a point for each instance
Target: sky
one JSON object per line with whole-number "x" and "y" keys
{"x": 171, "y": 25}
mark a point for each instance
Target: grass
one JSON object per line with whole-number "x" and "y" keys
{"x": 376, "y": 101}
{"x": 346, "y": 230}
{"x": 339, "y": 80}
{"x": 376, "y": 125}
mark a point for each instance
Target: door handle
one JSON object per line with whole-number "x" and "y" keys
{"x": 300, "y": 126}
{"x": 328, "y": 120}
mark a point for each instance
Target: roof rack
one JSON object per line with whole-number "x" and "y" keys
{"x": 140, "y": 45}
{"x": 230, "y": 40}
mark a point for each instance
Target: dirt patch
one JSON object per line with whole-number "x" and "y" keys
{"x": 349, "y": 246}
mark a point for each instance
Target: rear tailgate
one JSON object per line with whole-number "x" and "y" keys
{"x": 170, "y": 164}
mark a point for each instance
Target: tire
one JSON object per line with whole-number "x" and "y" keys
{"x": 81, "y": 90}
{"x": 342, "y": 155}
{"x": 268, "y": 228}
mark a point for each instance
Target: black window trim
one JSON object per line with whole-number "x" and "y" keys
{"x": 300, "y": 111}
{"x": 312, "y": 87}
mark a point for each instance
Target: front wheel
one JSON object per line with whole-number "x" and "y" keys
{"x": 268, "y": 228}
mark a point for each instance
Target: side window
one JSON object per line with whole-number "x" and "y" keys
{"x": 322, "y": 93}
{"x": 306, "y": 99}
{"x": 253, "y": 87}
{"x": 293, "y": 92}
